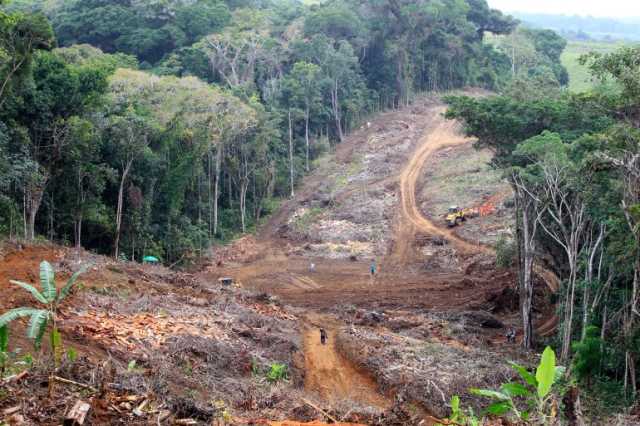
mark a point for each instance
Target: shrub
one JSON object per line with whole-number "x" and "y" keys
{"x": 277, "y": 372}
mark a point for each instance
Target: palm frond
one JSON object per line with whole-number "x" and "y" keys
{"x": 47, "y": 281}
{"x": 31, "y": 289}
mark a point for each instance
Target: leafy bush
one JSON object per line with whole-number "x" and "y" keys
{"x": 588, "y": 355}
{"x": 534, "y": 394}
{"x": 277, "y": 372}
{"x": 505, "y": 252}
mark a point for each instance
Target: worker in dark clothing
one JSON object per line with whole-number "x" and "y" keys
{"x": 372, "y": 268}
{"x": 323, "y": 336}
{"x": 511, "y": 335}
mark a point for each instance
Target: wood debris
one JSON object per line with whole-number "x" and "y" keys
{"x": 153, "y": 330}
{"x": 78, "y": 414}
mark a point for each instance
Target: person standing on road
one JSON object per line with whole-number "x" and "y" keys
{"x": 372, "y": 268}
{"x": 323, "y": 336}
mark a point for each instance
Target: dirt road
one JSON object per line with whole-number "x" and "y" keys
{"x": 329, "y": 374}
{"x": 283, "y": 265}
{"x": 443, "y": 135}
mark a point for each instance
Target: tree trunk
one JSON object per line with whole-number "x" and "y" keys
{"x": 216, "y": 188}
{"x": 526, "y": 209}
{"x": 568, "y": 313}
{"x": 125, "y": 172}
{"x": 335, "y": 103}
{"x": 78, "y": 232}
{"x": 306, "y": 134}
{"x": 291, "y": 154}
{"x": 33, "y": 200}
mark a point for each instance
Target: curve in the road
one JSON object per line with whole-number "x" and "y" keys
{"x": 442, "y": 136}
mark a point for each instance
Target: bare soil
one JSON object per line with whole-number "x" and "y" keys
{"x": 427, "y": 324}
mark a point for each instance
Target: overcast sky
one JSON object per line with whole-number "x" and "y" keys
{"x": 601, "y": 8}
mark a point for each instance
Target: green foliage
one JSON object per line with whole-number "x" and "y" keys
{"x": 534, "y": 393}
{"x": 4, "y": 349}
{"x": 41, "y": 319}
{"x": 72, "y": 355}
{"x": 277, "y": 372}
{"x": 580, "y": 79}
{"x": 459, "y": 416}
{"x": 505, "y": 252}
{"x": 588, "y": 355}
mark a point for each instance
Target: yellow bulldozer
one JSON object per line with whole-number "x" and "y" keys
{"x": 456, "y": 215}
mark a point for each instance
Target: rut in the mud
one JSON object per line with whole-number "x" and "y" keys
{"x": 330, "y": 375}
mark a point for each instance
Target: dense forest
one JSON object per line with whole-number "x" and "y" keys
{"x": 158, "y": 128}
{"x": 573, "y": 161}
{"x": 155, "y": 128}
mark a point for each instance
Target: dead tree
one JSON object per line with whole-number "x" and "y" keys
{"x": 529, "y": 212}
{"x": 568, "y": 221}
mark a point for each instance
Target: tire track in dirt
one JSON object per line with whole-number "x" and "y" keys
{"x": 329, "y": 374}
{"x": 445, "y": 135}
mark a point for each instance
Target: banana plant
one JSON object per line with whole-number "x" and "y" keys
{"x": 534, "y": 392}
{"x": 44, "y": 317}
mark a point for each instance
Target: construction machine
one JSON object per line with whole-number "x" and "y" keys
{"x": 456, "y": 215}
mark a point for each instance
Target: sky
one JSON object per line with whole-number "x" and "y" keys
{"x": 599, "y": 8}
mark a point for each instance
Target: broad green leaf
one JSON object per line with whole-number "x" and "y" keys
{"x": 31, "y": 289}
{"x": 499, "y": 408}
{"x": 455, "y": 404}
{"x": 47, "y": 281}
{"x": 490, "y": 394}
{"x": 4, "y": 338}
{"x": 38, "y": 340}
{"x": 35, "y": 324}
{"x": 526, "y": 376}
{"x": 16, "y": 313}
{"x": 515, "y": 389}
{"x": 545, "y": 374}
{"x": 64, "y": 292}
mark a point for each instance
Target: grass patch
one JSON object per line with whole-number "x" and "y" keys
{"x": 310, "y": 216}
{"x": 579, "y": 77}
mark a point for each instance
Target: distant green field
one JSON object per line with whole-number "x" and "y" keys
{"x": 579, "y": 77}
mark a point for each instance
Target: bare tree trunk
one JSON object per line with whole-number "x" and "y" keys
{"x": 123, "y": 178}
{"x": 335, "y": 103}
{"x": 216, "y": 188}
{"x": 78, "y": 233}
{"x": 589, "y": 280}
{"x": 33, "y": 200}
{"x": 527, "y": 208}
{"x": 306, "y": 134}
{"x": 210, "y": 193}
{"x": 291, "y": 154}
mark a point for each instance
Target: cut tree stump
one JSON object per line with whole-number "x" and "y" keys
{"x": 78, "y": 414}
